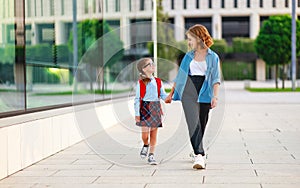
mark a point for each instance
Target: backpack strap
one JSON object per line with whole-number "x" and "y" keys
{"x": 158, "y": 82}
{"x": 142, "y": 89}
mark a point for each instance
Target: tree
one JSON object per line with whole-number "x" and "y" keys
{"x": 98, "y": 46}
{"x": 273, "y": 44}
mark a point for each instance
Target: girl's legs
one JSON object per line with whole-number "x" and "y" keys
{"x": 153, "y": 136}
{"x": 145, "y": 138}
{"x": 145, "y": 135}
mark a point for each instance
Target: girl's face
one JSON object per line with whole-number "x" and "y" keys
{"x": 192, "y": 41}
{"x": 149, "y": 67}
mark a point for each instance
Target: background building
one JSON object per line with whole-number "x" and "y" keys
{"x": 51, "y": 21}
{"x": 37, "y": 52}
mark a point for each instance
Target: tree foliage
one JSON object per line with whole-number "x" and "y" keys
{"x": 7, "y": 54}
{"x": 273, "y": 44}
{"x": 96, "y": 43}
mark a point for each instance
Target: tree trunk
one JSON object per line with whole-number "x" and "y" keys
{"x": 283, "y": 76}
{"x": 19, "y": 77}
{"x": 276, "y": 76}
{"x": 99, "y": 77}
{"x": 91, "y": 78}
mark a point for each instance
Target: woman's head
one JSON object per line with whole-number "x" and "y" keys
{"x": 199, "y": 36}
{"x": 145, "y": 66}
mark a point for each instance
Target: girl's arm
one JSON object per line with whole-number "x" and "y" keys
{"x": 137, "y": 103}
{"x": 169, "y": 97}
{"x": 163, "y": 93}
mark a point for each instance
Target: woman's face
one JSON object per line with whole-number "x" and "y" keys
{"x": 192, "y": 41}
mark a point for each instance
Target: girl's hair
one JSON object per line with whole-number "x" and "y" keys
{"x": 200, "y": 32}
{"x": 140, "y": 66}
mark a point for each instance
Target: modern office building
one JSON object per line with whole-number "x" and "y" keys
{"x": 51, "y": 21}
{"x": 47, "y": 90}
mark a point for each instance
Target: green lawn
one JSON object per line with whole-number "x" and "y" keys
{"x": 82, "y": 92}
{"x": 272, "y": 90}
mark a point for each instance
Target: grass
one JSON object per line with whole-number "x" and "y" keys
{"x": 272, "y": 90}
{"x": 168, "y": 90}
{"x": 8, "y": 90}
{"x": 63, "y": 93}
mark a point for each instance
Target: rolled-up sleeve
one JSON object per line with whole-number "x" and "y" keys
{"x": 137, "y": 100}
{"x": 216, "y": 72}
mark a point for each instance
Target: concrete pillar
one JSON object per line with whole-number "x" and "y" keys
{"x": 260, "y": 70}
{"x": 179, "y": 27}
{"x": 217, "y": 26}
{"x": 34, "y": 34}
{"x": 60, "y": 33}
{"x": 2, "y": 36}
{"x": 125, "y": 24}
{"x": 254, "y": 25}
{"x": 125, "y": 31}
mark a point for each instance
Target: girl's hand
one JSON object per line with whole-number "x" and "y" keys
{"x": 168, "y": 99}
{"x": 137, "y": 119}
{"x": 214, "y": 102}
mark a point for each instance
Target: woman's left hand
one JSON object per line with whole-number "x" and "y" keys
{"x": 214, "y": 102}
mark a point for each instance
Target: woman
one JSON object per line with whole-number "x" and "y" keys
{"x": 196, "y": 85}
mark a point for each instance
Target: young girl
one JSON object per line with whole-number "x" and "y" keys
{"x": 147, "y": 106}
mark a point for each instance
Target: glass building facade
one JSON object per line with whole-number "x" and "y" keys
{"x": 60, "y": 53}
{"x": 55, "y": 54}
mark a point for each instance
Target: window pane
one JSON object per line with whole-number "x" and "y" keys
{"x": 12, "y": 97}
{"x": 50, "y": 73}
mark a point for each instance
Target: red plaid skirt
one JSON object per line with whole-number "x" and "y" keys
{"x": 150, "y": 114}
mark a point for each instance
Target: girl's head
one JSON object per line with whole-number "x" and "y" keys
{"x": 199, "y": 36}
{"x": 146, "y": 68}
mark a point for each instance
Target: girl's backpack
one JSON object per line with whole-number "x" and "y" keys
{"x": 143, "y": 88}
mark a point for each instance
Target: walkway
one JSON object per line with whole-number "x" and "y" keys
{"x": 257, "y": 147}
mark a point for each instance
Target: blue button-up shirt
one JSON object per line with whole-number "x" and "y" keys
{"x": 212, "y": 76}
{"x": 150, "y": 95}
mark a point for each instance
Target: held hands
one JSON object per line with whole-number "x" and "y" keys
{"x": 168, "y": 99}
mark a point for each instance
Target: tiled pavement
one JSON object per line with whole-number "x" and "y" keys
{"x": 257, "y": 147}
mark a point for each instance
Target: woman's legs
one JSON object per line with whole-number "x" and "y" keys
{"x": 204, "y": 111}
{"x": 196, "y": 117}
{"x": 191, "y": 111}
{"x": 203, "y": 118}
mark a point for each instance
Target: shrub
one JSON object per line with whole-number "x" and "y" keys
{"x": 244, "y": 45}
